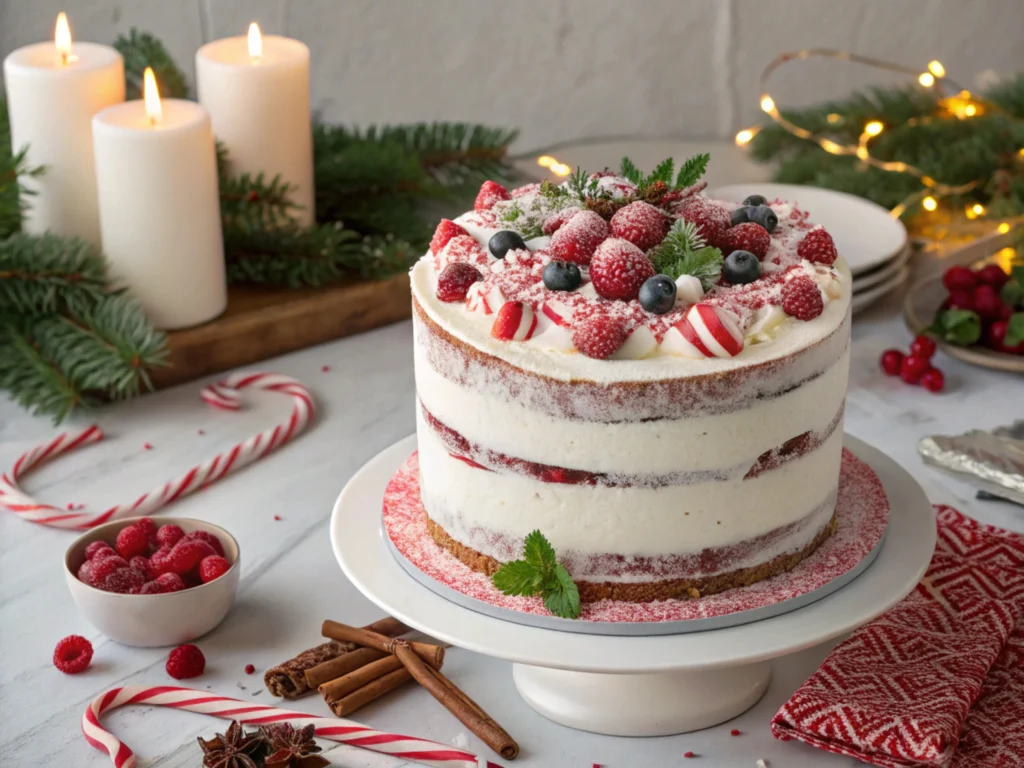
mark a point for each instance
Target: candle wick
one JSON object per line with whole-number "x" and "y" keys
{"x": 64, "y": 58}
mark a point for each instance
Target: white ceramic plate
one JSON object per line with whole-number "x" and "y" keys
{"x": 864, "y": 299}
{"x": 881, "y": 274}
{"x": 865, "y": 234}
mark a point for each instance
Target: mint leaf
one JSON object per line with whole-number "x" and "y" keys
{"x": 663, "y": 172}
{"x": 957, "y": 326}
{"x": 1014, "y": 330}
{"x": 1017, "y": 275}
{"x": 1012, "y": 293}
{"x": 691, "y": 171}
{"x": 539, "y": 553}
{"x": 705, "y": 265}
{"x": 561, "y": 595}
{"x": 629, "y": 171}
{"x": 518, "y": 578}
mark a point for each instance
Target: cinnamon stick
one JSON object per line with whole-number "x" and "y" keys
{"x": 431, "y": 654}
{"x": 369, "y": 692}
{"x": 455, "y": 701}
{"x": 353, "y": 681}
{"x": 288, "y": 679}
{"x": 341, "y": 666}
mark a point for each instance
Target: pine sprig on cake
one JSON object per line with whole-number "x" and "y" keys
{"x": 540, "y": 574}
{"x": 684, "y": 252}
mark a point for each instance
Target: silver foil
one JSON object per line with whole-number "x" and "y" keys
{"x": 990, "y": 461}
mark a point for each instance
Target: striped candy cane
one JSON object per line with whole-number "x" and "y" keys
{"x": 204, "y": 702}
{"x": 224, "y": 395}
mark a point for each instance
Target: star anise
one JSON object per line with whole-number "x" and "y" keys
{"x": 288, "y": 747}
{"x": 234, "y": 749}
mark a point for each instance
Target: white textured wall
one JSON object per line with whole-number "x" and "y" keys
{"x": 565, "y": 69}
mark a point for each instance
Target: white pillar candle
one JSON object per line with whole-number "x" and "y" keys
{"x": 156, "y": 173}
{"x": 257, "y": 91}
{"x": 53, "y": 91}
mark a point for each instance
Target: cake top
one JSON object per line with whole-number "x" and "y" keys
{"x": 625, "y": 266}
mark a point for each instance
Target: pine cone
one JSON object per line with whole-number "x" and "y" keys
{"x": 605, "y": 207}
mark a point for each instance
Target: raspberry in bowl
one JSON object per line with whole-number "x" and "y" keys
{"x": 152, "y": 583}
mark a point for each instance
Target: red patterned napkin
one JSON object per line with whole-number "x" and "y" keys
{"x": 939, "y": 679}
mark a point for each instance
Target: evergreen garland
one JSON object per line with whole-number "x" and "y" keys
{"x": 917, "y": 131}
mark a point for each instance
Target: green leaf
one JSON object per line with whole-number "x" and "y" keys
{"x": 518, "y": 578}
{"x": 630, "y": 171}
{"x": 539, "y": 553}
{"x": 957, "y": 326}
{"x": 691, "y": 170}
{"x": 1013, "y": 292}
{"x": 1014, "y": 330}
{"x": 663, "y": 172}
{"x": 561, "y": 596}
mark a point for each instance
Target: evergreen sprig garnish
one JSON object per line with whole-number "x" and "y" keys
{"x": 689, "y": 173}
{"x": 683, "y": 252}
{"x": 540, "y": 573}
{"x": 141, "y": 50}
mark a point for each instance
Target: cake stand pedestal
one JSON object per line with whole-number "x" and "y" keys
{"x": 635, "y": 686}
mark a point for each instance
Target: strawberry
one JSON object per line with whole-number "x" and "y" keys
{"x": 817, "y": 247}
{"x": 710, "y": 218}
{"x": 454, "y": 281}
{"x": 555, "y": 221}
{"x": 802, "y": 299}
{"x": 746, "y": 237}
{"x": 446, "y": 230}
{"x": 578, "y": 238}
{"x": 598, "y": 336}
{"x": 641, "y": 224}
{"x": 490, "y": 193}
{"x": 461, "y": 248}
{"x": 618, "y": 269}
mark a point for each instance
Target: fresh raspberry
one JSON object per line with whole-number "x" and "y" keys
{"x": 490, "y": 193}
{"x": 933, "y": 380}
{"x": 987, "y": 302}
{"x": 213, "y": 567}
{"x": 746, "y": 237}
{"x": 454, "y": 281}
{"x": 817, "y": 247}
{"x": 801, "y": 298}
{"x": 992, "y": 274}
{"x": 84, "y": 573}
{"x": 711, "y": 219}
{"x": 140, "y": 564}
{"x": 72, "y": 654}
{"x": 169, "y": 535}
{"x": 641, "y": 224}
{"x": 132, "y": 541}
{"x": 463, "y": 248}
{"x": 891, "y": 361}
{"x": 95, "y": 547}
{"x": 249, "y": 669}
{"x": 923, "y": 346}
{"x": 446, "y": 230}
{"x": 959, "y": 279}
{"x": 526, "y": 189}
{"x": 124, "y": 581}
{"x": 598, "y": 336}
{"x": 185, "y": 661}
{"x": 578, "y": 238}
{"x": 618, "y": 269}
{"x": 554, "y": 222}
{"x": 102, "y": 568}
{"x": 184, "y": 556}
{"x": 209, "y": 538}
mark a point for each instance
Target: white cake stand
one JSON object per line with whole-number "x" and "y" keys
{"x": 634, "y": 686}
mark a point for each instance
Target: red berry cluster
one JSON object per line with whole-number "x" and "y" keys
{"x": 915, "y": 367}
{"x": 147, "y": 560}
{"x": 981, "y": 291}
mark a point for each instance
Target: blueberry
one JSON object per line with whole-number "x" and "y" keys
{"x": 658, "y": 294}
{"x": 755, "y": 200}
{"x": 763, "y": 215}
{"x": 741, "y": 215}
{"x": 562, "y": 276}
{"x": 741, "y": 267}
{"x": 505, "y": 241}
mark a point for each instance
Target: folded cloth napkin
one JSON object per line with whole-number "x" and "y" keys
{"x": 939, "y": 679}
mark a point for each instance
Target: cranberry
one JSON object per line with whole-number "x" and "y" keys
{"x": 987, "y": 302}
{"x": 891, "y": 361}
{"x": 913, "y": 369}
{"x": 922, "y": 346}
{"x": 959, "y": 278}
{"x": 961, "y": 299}
{"x": 933, "y": 380}
{"x": 995, "y": 338}
{"x": 993, "y": 275}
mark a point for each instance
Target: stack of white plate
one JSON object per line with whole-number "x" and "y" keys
{"x": 874, "y": 244}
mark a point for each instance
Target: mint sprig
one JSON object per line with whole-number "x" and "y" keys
{"x": 1014, "y": 330}
{"x": 684, "y": 252}
{"x": 539, "y": 573}
{"x": 957, "y": 326}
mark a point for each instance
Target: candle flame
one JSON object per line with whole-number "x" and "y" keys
{"x": 62, "y": 37}
{"x": 255, "y": 41}
{"x": 152, "y": 96}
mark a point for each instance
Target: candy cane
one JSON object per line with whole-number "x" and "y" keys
{"x": 222, "y": 395}
{"x": 204, "y": 702}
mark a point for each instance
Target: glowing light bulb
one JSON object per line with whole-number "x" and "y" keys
{"x": 255, "y": 42}
{"x": 926, "y": 79}
{"x": 929, "y": 203}
{"x": 1003, "y": 228}
{"x": 936, "y": 68}
{"x": 834, "y": 118}
{"x": 546, "y": 161}
{"x": 560, "y": 169}
{"x": 970, "y": 110}
{"x": 151, "y": 95}
{"x": 767, "y": 103}
{"x": 978, "y": 209}
{"x": 743, "y": 137}
{"x": 873, "y": 128}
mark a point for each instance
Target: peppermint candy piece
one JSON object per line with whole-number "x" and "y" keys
{"x": 705, "y": 331}
{"x": 483, "y": 298}
{"x": 557, "y": 312}
{"x": 516, "y": 321}
{"x": 639, "y": 344}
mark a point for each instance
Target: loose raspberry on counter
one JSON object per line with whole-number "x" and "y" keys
{"x": 618, "y": 269}
{"x": 213, "y": 567}
{"x": 641, "y": 224}
{"x": 209, "y": 538}
{"x": 169, "y": 535}
{"x": 598, "y": 336}
{"x": 72, "y": 655}
{"x": 801, "y": 298}
{"x": 579, "y": 237}
{"x": 711, "y": 219}
{"x": 746, "y": 237}
{"x": 490, "y": 193}
{"x": 817, "y": 247}
{"x": 555, "y": 221}
{"x": 249, "y": 669}
{"x": 454, "y": 281}
{"x": 446, "y": 230}
{"x": 185, "y": 661}
{"x": 94, "y": 547}
{"x": 132, "y": 541}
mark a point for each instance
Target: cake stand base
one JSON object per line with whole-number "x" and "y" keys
{"x": 660, "y": 704}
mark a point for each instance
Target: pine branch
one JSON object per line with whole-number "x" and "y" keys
{"x": 13, "y": 167}
{"x": 48, "y": 274}
{"x": 141, "y": 50}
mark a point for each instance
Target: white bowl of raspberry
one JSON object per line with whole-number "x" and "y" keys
{"x": 147, "y": 584}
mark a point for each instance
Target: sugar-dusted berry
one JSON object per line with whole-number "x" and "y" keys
{"x": 124, "y": 581}
{"x": 104, "y": 567}
{"x": 746, "y": 237}
{"x": 711, "y": 219}
{"x": 454, "y": 281}
{"x": 213, "y": 567}
{"x": 490, "y": 193}
{"x": 579, "y": 237}
{"x": 446, "y": 230}
{"x": 169, "y": 535}
{"x": 95, "y": 547}
{"x": 186, "y": 555}
{"x": 641, "y": 224}
{"x": 802, "y": 299}
{"x": 185, "y": 661}
{"x": 618, "y": 269}
{"x": 817, "y": 247}
{"x": 72, "y": 655}
{"x": 132, "y": 541}
{"x": 209, "y": 538}
{"x": 554, "y": 222}
{"x": 598, "y": 336}
{"x": 84, "y": 572}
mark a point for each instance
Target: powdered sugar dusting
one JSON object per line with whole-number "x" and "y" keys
{"x": 862, "y": 512}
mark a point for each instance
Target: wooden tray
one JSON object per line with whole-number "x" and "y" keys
{"x": 263, "y": 322}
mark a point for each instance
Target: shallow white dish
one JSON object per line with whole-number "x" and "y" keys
{"x": 863, "y": 299}
{"x": 882, "y": 273}
{"x": 639, "y": 686}
{"x": 149, "y": 621}
{"x": 864, "y": 232}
